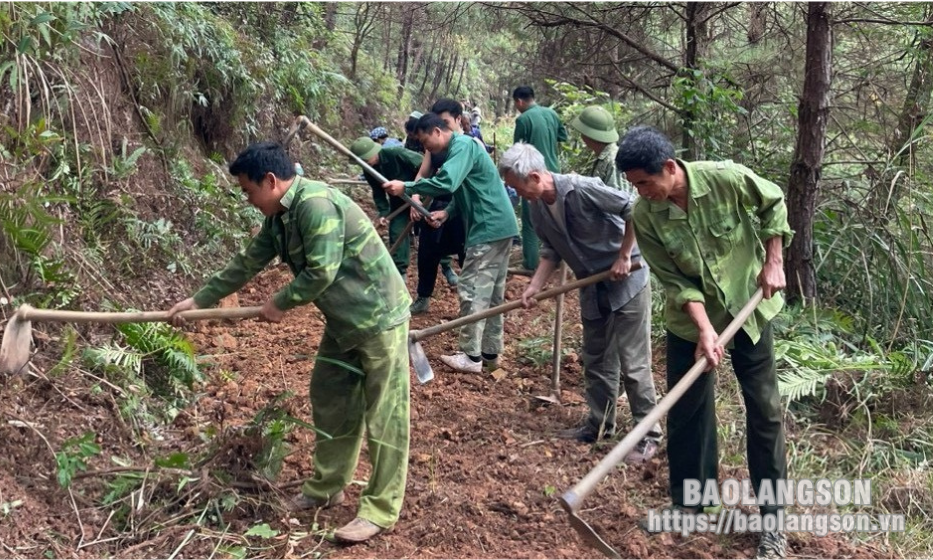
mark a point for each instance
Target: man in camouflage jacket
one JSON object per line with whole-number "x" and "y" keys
{"x": 361, "y": 372}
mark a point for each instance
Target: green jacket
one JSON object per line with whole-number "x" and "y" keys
{"x": 605, "y": 169}
{"x": 337, "y": 258}
{"x": 395, "y": 164}
{"x": 541, "y": 127}
{"x": 478, "y": 192}
{"x": 713, "y": 252}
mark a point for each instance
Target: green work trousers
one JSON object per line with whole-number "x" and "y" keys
{"x": 343, "y": 402}
{"x": 691, "y": 424}
{"x": 530, "y": 243}
{"x": 397, "y": 226}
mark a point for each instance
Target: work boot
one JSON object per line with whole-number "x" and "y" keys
{"x": 644, "y": 451}
{"x": 450, "y": 276}
{"x": 303, "y": 502}
{"x": 772, "y": 545}
{"x": 583, "y": 434}
{"x": 357, "y": 531}
{"x": 421, "y": 305}
{"x": 462, "y": 363}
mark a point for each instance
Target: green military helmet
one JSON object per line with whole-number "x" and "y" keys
{"x": 365, "y": 147}
{"x": 596, "y": 123}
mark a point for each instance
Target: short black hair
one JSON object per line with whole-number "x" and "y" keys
{"x": 430, "y": 121}
{"x": 523, "y": 92}
{"x": 645, "y": 148}
{"x": 261, "y": 158}
{"x": 410, "y": 125}
{"x": 448, "y": 105}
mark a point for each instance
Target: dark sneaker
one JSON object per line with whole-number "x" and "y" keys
{"x": 772, "y": 545}
{"x": 421, "y": 305}
{"x": 644, "y": 451}
{"x": 357, "y": 531}
{"x": 450, "y": 276}
{"x": 490, "y": 366}
{"x": 302, "y": 502}
{"x": 583, "y": 434}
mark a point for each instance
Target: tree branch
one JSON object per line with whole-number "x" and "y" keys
{"x": 882, "y": 22}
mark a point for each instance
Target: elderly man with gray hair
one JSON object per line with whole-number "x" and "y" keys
{"x": 583, "y": 222}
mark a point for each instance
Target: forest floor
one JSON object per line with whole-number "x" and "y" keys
{"x": 486, "y": 469}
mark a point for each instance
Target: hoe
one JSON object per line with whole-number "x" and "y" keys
{"x": 419, "y": 360}
{"x": 572, "y": 500}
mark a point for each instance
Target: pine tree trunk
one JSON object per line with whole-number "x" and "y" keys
{"x": 695, "y": 31}
{"x": 806, "y": 166}
{"x": 917, "y": 102}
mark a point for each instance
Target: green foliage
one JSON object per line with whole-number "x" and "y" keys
{"x": 204, "y": 73}
{"x": 73, "y": 457}
{"x": 537, "y": 351}
{"x": 878, "y": 268}
{"x": 70, "y": 346}
{"x": 812, "y": 346}
{"x": 262, "y": 531}
{"x": 123, "y": 165}
{"x": 574, "y": 155}
{"x": 175, "y": 369}
{"x": 708, "y": 104}
{"x": 271, "y": 425}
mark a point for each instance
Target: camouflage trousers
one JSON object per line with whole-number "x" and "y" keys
{"x": 366, "y": 386}
{"x": 482, "y": 285}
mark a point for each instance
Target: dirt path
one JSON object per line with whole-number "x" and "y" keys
{"x": 486, "y": 470}
{"x": 484, "y": 477}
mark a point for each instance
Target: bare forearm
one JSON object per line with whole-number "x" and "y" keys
{"x": 774, "y": 251}
{"x": 628, "y": 241}
{"x": 543, "y": 273}
{"x": 697, "y": 312}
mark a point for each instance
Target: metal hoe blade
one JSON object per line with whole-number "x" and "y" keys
{"x": 14, "y": 351}
{"x": 590, "y": 536}
{"x": 420, "y": 362}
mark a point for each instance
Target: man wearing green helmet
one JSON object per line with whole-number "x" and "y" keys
{"x": 598, "y": 129}
{"x": 394, "y": 163}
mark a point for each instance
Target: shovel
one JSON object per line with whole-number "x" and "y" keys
{"x": 554, "y": 397}
{"x": 14, "y": 351}
{"x": 419, "y": 360}
{"x": 572, "y": 500}
{"x": 305, "y": 122}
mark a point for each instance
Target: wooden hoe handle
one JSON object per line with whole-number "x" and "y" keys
{"x": 29, "y": 313}
{"x": 415, "y": 336}
{"x": 573, "y": 498}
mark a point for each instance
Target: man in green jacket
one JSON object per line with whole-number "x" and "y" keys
{"x": 598, "y": 130}
{"x": 695, "y": 228}
{"x": 360, "y": 376}
{"x": 480, "y": 199}
{"x": 393, "y": 163}
{"x": 540, "y": 127}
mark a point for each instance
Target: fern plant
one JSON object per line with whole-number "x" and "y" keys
{"x": 172, "y": 354}
{"x": 813, "y": 345}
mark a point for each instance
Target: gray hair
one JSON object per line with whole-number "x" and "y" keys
{"x": 522, "y": 159}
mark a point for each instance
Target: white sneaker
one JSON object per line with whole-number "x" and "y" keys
{"x": 462, "y": 363}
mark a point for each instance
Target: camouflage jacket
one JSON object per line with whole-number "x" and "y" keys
{"x": 337, "y": 258}
{"x": 605, "y": 168}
